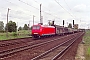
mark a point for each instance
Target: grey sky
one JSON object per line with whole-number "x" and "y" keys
{"x": 22, "y": 13}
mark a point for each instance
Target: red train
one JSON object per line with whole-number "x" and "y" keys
{"x": 41, "y": 30}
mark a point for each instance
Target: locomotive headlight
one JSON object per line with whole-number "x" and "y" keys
{"x": 35, "y": 33}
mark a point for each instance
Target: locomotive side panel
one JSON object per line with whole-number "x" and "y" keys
{"x": 48, "y": 31}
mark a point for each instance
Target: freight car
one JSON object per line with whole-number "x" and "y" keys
{"x": 60, "y": 30}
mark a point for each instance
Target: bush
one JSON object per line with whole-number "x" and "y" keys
{"x": 2, "y": 31}
{"x": 14, "y": 34}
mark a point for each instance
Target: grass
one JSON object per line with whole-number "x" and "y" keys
{"x": 88, "y": 51}
{"x": 87, "y": 45}
{"x": 13, "y": 35}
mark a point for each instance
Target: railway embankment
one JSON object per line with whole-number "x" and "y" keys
{"x": 83, "y": 52}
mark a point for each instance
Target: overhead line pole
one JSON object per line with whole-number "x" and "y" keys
{"x": 33, "y": 19}
{"x": 40, "y": 16}
{"x": 7, "y": 22}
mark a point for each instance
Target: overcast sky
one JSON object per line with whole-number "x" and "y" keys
{"x": 22, "y": 11}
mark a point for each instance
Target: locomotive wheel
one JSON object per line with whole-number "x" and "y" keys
{"x": 39, "y": 36}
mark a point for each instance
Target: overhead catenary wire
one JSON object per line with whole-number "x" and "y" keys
{"x": 26, "y": 17}
{"x": 64, "y": 8}
{"x": 13, "y": 11}
{"x": 28, "y": 4}
{"x": 25, "y": 11}
{"x": 39, "y": 3}
{"x": 18, "y": 5}
{"x": 38, "y": 9}
{"x": 16, "y": 15}
{"x": 69, "y": 8}
{"x": 20, "y": 17}
{"x": 48, "y": 10}
{"x": 24, "y": 3}
{"x": 33, "y": 7}
{"x": 13, "y": 15}
{"x": 67, "y": 4}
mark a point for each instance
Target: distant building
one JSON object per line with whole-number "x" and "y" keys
{"x": 75, "y": 26}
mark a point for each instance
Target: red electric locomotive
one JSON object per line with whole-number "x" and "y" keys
{"x": 41, "y": 30}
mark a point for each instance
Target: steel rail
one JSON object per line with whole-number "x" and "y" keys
{"x": 12, "y": 51}
{"x": 45, "y": 53}
{"x": 41, "y": 55}
{"x": 61, "y": 54}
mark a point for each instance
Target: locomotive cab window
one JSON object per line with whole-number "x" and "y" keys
{"x": 36, "y": 27}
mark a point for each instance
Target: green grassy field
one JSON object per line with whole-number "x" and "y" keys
{"x": 87, "y": 45}
{"x": 13, "y": 35}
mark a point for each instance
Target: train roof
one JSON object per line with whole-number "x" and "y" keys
{"x": 44, "y": 25}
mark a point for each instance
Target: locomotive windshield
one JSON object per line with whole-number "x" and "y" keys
{"x": 36, "y": 27}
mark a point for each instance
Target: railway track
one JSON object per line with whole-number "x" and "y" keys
{"x": 57, "y": 51}
{"x": 6, "y": 53}
{"x": 11, "y": 45}
{"x": 7, "y": 45}
{"x": 13, "y": 41}
{"x": 17, "y": 41}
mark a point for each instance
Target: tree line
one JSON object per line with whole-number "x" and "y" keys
{"x": 11, "y": 27}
